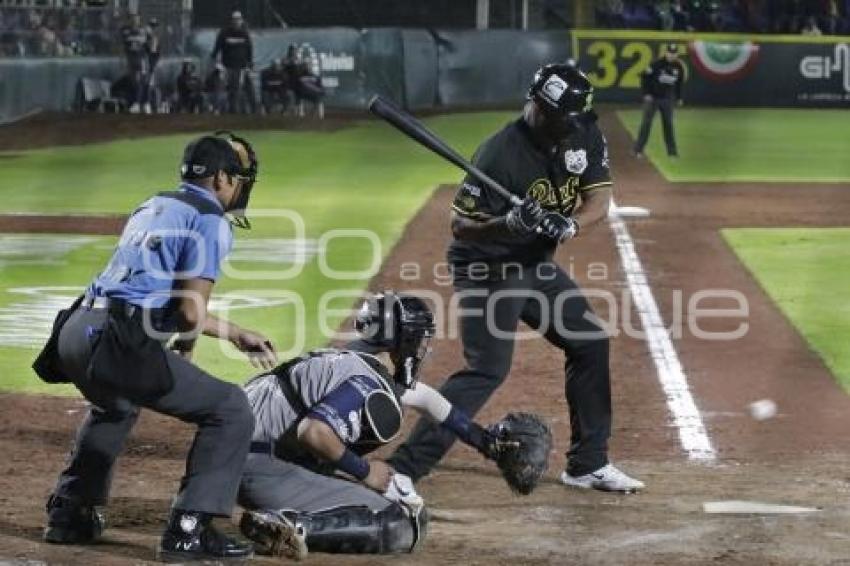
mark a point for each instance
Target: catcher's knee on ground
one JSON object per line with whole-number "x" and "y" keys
{"x": 343, "y": 530}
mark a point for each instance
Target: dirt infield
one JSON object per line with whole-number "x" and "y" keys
{"x": 800, "y": 457}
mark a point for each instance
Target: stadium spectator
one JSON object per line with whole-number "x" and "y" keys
{"x": 190, "y": 96}
{"x": 274, "y": 88}
{"x": 680, "y": 18}
{"x": 215, "y": 90}
{"x": 234, "y": 45}
{"x": 136, "y": 40}
{"x": 124, "y": 91}
{"x": 304, "y": 84}
{"x": 811, "y": 27}
{"x": 609, "y": 13}
{"x": 831, "y": 16}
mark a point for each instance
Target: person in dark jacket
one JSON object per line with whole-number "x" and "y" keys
{"x": 215, "y": 90}
{"x": 661, "y": 84}
{"x": 189, "y": 89}
{"x": 274, "y": 87}
{"x": 136, "y": 42}
{"x": 237, "y": 55}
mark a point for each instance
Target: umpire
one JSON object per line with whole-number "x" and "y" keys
{"x": 111, "y": 345}
{"x": 556, "y": 159}
{"x": 661, "y": 84}
{"x": 237, "y": 55}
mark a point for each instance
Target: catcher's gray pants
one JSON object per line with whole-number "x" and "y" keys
{"x": 269, "y": 483}
{"x": 665, "y": 107}
{"x": 221, "y": 411}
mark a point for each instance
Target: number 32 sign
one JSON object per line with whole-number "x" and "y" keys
{"x": 615, "y": 62}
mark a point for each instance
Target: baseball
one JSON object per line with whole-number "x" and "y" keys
{"x": 763, "y": 409}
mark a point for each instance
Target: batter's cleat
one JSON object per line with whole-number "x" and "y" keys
{"x": 606, "y": 478}
{"x": 191, "y": 537}
{"x": 274, "y": 534}
{"x": 70, "y": 522}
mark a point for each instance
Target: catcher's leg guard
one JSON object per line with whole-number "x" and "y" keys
{"x": 341, "y": 530}
{"x": 359, "y": 530}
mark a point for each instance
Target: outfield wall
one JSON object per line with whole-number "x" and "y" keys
{"x": 722, "y": 69}
{"x": 426, "y": 69}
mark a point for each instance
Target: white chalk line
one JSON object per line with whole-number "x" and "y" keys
{"x": 686, "y": 417}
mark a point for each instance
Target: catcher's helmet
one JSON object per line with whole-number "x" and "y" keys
{"x": 562, "y": 91}
{"x": 400, "y": 324}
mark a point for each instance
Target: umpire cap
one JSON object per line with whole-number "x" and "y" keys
{"x": 206, "y": 156}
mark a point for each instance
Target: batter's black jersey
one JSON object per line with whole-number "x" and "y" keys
{"x": 556, "y": 178}
{"x": 663, "y": 79}
{"x": 237, "y": 51}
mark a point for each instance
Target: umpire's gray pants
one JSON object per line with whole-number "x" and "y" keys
{"x": 221, "y": 411}
{"x": 269, "y": 483}
{"x": 665, "y": 107}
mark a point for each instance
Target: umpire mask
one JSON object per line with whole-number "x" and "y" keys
{"x": 247, "y": 174}
{"x": 402, "y": 325}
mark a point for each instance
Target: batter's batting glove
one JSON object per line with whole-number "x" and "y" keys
{"x": 524, "y": 218}
{"x": 558, "y": 227}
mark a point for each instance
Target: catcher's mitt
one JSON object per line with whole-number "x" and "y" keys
{"x": 520, "y": 445}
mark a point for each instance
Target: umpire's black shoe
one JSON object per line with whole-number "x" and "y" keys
{"x": 72, "y": 522}
{"x": 190, "y": 536}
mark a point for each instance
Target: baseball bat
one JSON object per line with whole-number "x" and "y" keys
{"x": 413, "y": 128}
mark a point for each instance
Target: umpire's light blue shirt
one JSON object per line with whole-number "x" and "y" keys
{"x": 171, "y": 236}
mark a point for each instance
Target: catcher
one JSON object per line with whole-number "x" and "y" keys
{"x": 319, "y": 414}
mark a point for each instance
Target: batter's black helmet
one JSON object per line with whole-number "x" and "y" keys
{"x": 562, "y": 89}
{"x": 400, "y": 324}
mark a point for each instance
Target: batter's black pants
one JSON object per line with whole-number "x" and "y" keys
{"x": 545, "y": 298}
{"x": 219, "y": 409}
{"x": 665, "y": 107}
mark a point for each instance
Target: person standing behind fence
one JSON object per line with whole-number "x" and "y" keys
{"x": 215, "y": 90}
{"x": 237, "y": 55}
{"x": 661, "y": 84}
{"x": 189, "y": 96}
{"x": 135, "y": 39}
{"x": 273, "y": 87}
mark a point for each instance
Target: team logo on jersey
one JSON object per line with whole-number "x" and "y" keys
{"x": 575, "y": 160}
{"x": 354, "y": 425}
{"x": 560, "y": 199}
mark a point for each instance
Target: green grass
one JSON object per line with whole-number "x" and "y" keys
{"x": 748, "y": 144}
{"x": 363, "y": 177}
{"x": 806, "y": 272}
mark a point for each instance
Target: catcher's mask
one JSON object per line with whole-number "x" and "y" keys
{"x": 565, "y": 97}
{"x": 402, "y": 325}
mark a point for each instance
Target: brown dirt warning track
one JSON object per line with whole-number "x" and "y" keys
{"x": 799, "y": 457}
